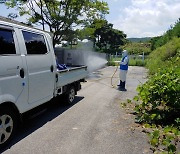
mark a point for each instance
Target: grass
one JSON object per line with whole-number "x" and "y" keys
{"x": 165, "y": 56}
{"x": 136, "y": 62}
{"x": 112, "y": 63}
{"x": 132, "y": 62}
{"x": 116, "y": 59}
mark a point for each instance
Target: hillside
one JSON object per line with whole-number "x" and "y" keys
{"x": 165, "y": 56}
{"x": 159, "y": 41}
{"x": 138, "y": 48}
{"x": 144, "y": 39}
{"x": 159, "y": 97}
{"x": 166, "y": 50}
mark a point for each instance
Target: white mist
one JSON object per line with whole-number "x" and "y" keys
{"x": 85, "y": 55}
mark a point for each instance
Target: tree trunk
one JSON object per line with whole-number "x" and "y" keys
{"x": 42, "y": 15}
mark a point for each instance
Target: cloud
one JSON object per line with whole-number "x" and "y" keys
{"x": 147, "y": 17}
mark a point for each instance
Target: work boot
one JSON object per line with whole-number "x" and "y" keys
{"x": 120, "y": 84}
{"x": 122, "y": 88}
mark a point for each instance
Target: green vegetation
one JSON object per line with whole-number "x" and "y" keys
{"x": 158, "y": 100}
{"x": 116, "y": 58}
{"x": 174, "y": 31}
{"x": 132, "y": 62}
{"x": 60, "y": 16}
{"x": 160, "y": 97}
{"x": 138, "y": 48}
{"x": 140, "y": 40}
{"x": 136, "y": 62}
{"x": 112, "y": 63}
{"x": 167, "y": 138}
{"x": 159, "y": 106}
{"x": 165, "y": 56}
{"x": 107, "y": 39}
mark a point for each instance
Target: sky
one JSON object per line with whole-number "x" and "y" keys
{"x": 143, "y": 18}
{"x": 137, "y": 18}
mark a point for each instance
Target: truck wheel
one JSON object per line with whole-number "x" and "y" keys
{"x": 8, "y": 126}
{"x": 70, "y": 95}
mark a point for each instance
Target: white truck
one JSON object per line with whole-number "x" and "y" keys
{"x": 29, "y": 75}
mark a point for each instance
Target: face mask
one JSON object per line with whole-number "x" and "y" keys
{"x": 124, "y": 54}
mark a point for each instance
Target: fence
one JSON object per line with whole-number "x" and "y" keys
{"x": 134, "y": 60}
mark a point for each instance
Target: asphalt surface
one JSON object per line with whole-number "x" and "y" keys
{"x": 96, "y": 123}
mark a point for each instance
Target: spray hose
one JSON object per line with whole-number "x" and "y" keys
{"x": 113, "y": 76}
{"x": 113, "y": 86}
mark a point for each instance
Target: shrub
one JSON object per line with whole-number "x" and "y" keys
{"x": 158, "y": 100}
{"x": 159, "y": 106}
{"x": 160, "y": 97}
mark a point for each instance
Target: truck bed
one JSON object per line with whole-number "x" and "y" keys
{"x": 71, "y": 75}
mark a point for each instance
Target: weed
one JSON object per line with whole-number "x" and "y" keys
{"x": 159, "y": 107}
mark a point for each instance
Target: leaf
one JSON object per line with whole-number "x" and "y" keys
{"x": 177, "y": 120}
{"x": 175, "y": 131}
{"x": 171, "y": 148}
{"x": 153, "y": 126}
{"x": 153, "y": 116}
{"x": 129, "y": 101}
{"x": 136, "y": 98}
{"x": 154, "y": 142}
{"x": 137, "y": 109}
{"x": 167, "y": 129}
{"x": 138, "y": 119}
{"x": 147, "y": 125}
{"x": 166, "y": 141}
{"x": 156, "y": 134}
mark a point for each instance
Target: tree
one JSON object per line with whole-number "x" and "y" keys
{"x": 89, "y": 30}
{"x": 71, "y": 37}
{"x": 60, "y": 16}
{"x": 109, "y": 39}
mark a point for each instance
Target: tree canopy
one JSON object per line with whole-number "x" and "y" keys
{"x": 109, "y": 39}
{"x": 60, "y": 16}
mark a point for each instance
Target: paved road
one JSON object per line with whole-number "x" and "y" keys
{"x": 94, "y": 124}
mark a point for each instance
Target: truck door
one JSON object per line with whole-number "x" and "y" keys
{"x": 40, "y": 66}
{"x": 12, "y": 74}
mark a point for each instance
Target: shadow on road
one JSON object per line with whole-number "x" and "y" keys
{"x": 38, "y": 117}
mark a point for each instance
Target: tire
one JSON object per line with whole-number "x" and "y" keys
{"x": 8, "y": 126}
{"x": 70, "y": 96}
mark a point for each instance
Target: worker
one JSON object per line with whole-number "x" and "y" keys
{"x": 123, "y": 70}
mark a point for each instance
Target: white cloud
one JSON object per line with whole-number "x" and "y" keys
{"x": 115, "y": 0}
{"x": 147, "y": 17}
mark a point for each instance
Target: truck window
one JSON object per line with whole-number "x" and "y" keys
{"x": 35, "y": 43}
{"x": 7, "y": 45}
